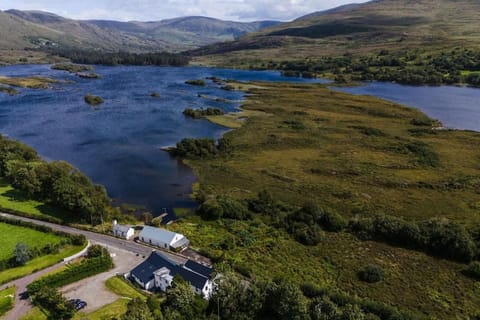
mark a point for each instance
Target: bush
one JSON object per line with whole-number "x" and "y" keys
{"x": 201, "y": 113}
{"x": 93, "y": 100}
{"x": 473, "y": 270}
{"x": 85, "y": 269}
{"x": 371, "y": 274}
{"x": 196, "y": 82}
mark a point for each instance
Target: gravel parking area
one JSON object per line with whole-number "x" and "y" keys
{"x": 93, "y": 291}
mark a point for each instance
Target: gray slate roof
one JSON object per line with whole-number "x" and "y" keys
{"x": 144, "y": 271}
{"x": 122, "y": 227}
{"x": 158, "y": 234}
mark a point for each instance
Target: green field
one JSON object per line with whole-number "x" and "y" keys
{"x": 16, "y": 234}
{"x": 7, "y": 298}
{"x": 352, "y": 155}
{"x": 11, "y": 199}
{"x": 123, "y": 289}
{"x": 37, "y": 264}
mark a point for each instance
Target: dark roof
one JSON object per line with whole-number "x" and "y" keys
{"x": 144, "y": 271}
{"x": 199, "y": 268}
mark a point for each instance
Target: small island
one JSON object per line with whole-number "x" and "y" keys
{"x": 88, "y": 75}
{"x": 27, "y": 82}
{"x": 202, "y": 113}
{"x": 79, "y": 70}
{"x": 196, "y": 82}
{"x": 9, "y": 91}
{"x": 70, "y": 67}
{"x": 93, "y": 100}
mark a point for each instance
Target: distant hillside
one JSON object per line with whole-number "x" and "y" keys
{"x": 37, "y": 29}
{"x": 361, "y": 28}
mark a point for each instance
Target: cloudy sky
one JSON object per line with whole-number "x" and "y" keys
{"x": 242, "y": 10}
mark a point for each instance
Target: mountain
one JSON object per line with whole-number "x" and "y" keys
{"x": 34, "y": 29}
{"x": 356, "y": 28}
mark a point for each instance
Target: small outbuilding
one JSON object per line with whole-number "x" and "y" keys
{"x": 163, "y": 238}
{"x": 122, "y": 231}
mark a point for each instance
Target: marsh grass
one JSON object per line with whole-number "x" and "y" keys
{"x": 356, "y": 156}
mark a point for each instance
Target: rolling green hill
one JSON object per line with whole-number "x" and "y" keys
{"x": 358, "y": 29}
{"x": 37, "y": 29}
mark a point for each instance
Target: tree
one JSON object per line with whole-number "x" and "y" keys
{"x": 22, "y": 253}
{"x": 180, "y": 298}
{"x": 53, "y": 301}
{"x": 236, "y": 299}
{"x": 137, "y": 309}
{"x": 97, "y": 251}
{"x": 284, "y": 301}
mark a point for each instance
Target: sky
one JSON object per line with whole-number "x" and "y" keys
{"x": 150, "y": 10}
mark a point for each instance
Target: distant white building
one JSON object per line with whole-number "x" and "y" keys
{"x": 157, "y": 272}
{"x": 122, "y": 231}
{"x": 163, "y": 238}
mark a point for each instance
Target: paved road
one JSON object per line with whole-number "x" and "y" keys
{"x": 23, "y": 306}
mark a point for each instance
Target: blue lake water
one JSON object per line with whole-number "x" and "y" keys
{"x": 119, "y": 144}
{"x": 455, "y": 107}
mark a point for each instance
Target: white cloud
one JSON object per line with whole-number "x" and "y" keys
{"x": 244, "y": 10}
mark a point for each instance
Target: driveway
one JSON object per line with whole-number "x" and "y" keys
{"x": 93, "y": 290}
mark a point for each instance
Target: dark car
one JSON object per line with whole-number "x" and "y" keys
{"x": 80, "y": 305}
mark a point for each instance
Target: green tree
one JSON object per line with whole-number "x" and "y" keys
{"x": 53, "y": 301}
{"x": 22, "y": 253}
{"x": 284, "y": 301}
{"x": 236, "y": 299}
{"x": 180, "y": 297}
{"x": 137, "y": 310}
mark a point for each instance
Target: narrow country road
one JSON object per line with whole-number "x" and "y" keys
{"x": 23, "y": 306}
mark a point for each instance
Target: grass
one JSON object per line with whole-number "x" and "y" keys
{"x": 110, "y": 311}
{"x": 234, "y": 120}
{"x": 320, "y": 141}
{"x": 11, "y": 199}
{"x": 16, "y": 234}
{"x": 119, "y": 286}
{"x": 35, "y": 314}
{"x": 7, "y": 300}
{"x": 38, "y": 264}
{"x": 357, "y": 156}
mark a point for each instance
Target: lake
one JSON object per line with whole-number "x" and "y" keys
{"x": 455, "y": 107}
{"x": 119, "y": 145}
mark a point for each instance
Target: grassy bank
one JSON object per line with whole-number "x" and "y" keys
{"x": 37, "y": 264}
{"x": 32, "y": 238}
{"x": 7, "y": 299}
{"x": 15, "y": 200}
{"x": 357, "y": 156}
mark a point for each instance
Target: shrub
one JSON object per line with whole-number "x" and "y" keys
{"x": 85, "y": 269}
{"x": 93, "y": 100}
{"x": 473, "y": 270}
{"x": 196, "y": 82}
{"x": 371, "y": 274}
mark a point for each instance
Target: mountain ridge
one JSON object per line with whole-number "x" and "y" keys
{"x": 39, "y": 29}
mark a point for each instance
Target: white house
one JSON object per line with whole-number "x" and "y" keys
{"x": 122, "y": 231}
{"x": 163, "y": 238}
{"x": 157, "y": 273}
